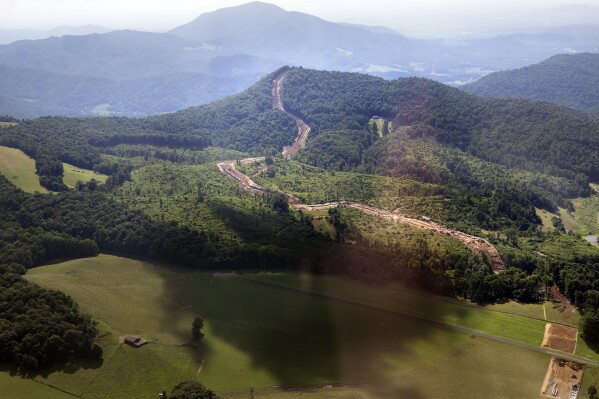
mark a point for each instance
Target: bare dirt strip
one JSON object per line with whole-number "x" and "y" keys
{"x": 568, "y": 309}
{"x": 560, "y": 337}
{"x": 563, "y": 379}
{"x": 475, "y": 244}
{"x": 303, "y": 130}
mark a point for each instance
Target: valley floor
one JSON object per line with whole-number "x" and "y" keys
{"x": 262, "y": 336}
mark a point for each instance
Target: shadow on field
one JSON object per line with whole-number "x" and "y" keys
{"x": 288, "y": 335}
{"x": 304, "y": 338}
{"x": 72, "y": 366}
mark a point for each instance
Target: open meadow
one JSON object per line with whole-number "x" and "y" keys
{"x": 585, "y": 217}
{"x": 263, "y": 336}
{"x": 17, "y": 167}
{"x": 127, "y": 297}
{"x": 73, "y": 174}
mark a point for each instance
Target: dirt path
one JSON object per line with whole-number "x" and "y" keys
{"x": 303, "y": 130}
{"x": 475, "y": 244}
{"x": 568, "y": 311}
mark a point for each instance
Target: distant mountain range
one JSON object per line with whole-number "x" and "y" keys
{"x": 569, "y": 80}
{"x": 225, "y": 51}
{"x": 12, "y": 35}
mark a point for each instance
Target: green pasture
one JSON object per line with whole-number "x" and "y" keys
{"x": 586, "y": 212}
{"x": 477, "y": 369}
{"x": 379, "y": 125}
{"x": 591, "y": 377}
{"x": 500, "y": 324}
{"x": 519, "y": 322}
{"x": 294, "y": 339}
{"x": 584, "y": 220}
{"x": 17, "y": 167}
{"x": 273, "y": 338}
{"x": 127, "y": 297}
{"x": 73, "y": 174}
{"x": 545, "y": 219}
{"x": 18, "y": 387}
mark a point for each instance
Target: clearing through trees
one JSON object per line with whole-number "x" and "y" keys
{"x": 475, "y": 244}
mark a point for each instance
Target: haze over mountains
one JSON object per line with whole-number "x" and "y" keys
{"x": 222, "y": 52}
{"x": 12, "y": 35}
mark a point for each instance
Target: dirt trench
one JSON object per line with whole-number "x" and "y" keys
{"x": 475, "y": 244}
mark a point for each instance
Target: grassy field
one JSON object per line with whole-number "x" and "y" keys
{"x": 20, "y": 170}
{"x": 73, "y": 174}
{"x": 519, "y": 322}
{"x": 545, "y": 219}
{"x": 585, "y": 218}
{"x": 501, "y": 324}
{"x": 379, "y": 125}
{"x": 259, "y": 336}
{"x": 17, "y": 387}
{"x": 591, "y": 377}
{"x": 128, "y": 297}
{"x": 478, "y": 369}
{"x": 586, "y": 212}
{"x": 7, "y": 124}
{"x": 546, "y": 310}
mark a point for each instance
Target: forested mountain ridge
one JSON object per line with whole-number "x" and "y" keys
{"x": 32, "y": 92}
{"x": 528, "y": 135}
{"x": 225, "y": 51}
{"x": 166, "y": 199}
{"x": 516, "y": 133}
{"x": 571, "y": 80}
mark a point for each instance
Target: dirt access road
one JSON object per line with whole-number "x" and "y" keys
{"x": 303, "y": 130}
{"x": 475, "y": 244}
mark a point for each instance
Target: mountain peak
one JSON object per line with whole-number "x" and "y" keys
{"x": 236, "y": 14}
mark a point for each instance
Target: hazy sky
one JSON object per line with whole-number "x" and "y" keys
{"x": 418, "y": 17}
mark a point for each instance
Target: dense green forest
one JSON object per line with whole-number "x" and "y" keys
{"x": 571, "y": 80}
{"x": 40, "y": 326}
{"x": 520, "y": 134}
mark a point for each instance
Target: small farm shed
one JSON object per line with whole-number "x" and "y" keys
{"x": 135, "y": 341}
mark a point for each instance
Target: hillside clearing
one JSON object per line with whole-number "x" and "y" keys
{"x": 128, "y": 297}
{"x": 73, "y": 174}
{"x": 17, "y": 167}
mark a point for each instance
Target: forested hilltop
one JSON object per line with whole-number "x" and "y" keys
{"x": 515, "y": 133}
{"x": 482, "y": 166}
{"x": 571, "y": 80}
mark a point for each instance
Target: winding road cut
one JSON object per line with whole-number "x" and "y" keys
{"x": 303, "y": 130}
{"x": 475, "y": 244}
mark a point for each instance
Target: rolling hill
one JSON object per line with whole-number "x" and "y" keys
{"x": 479, "y": 168}
{"x": 528, "y": 135}
{"x": 571, "y": 80}
{"x": 222, "y": 52}
{"x": 12, "y": 35}
{"x": 28, "y": 93}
